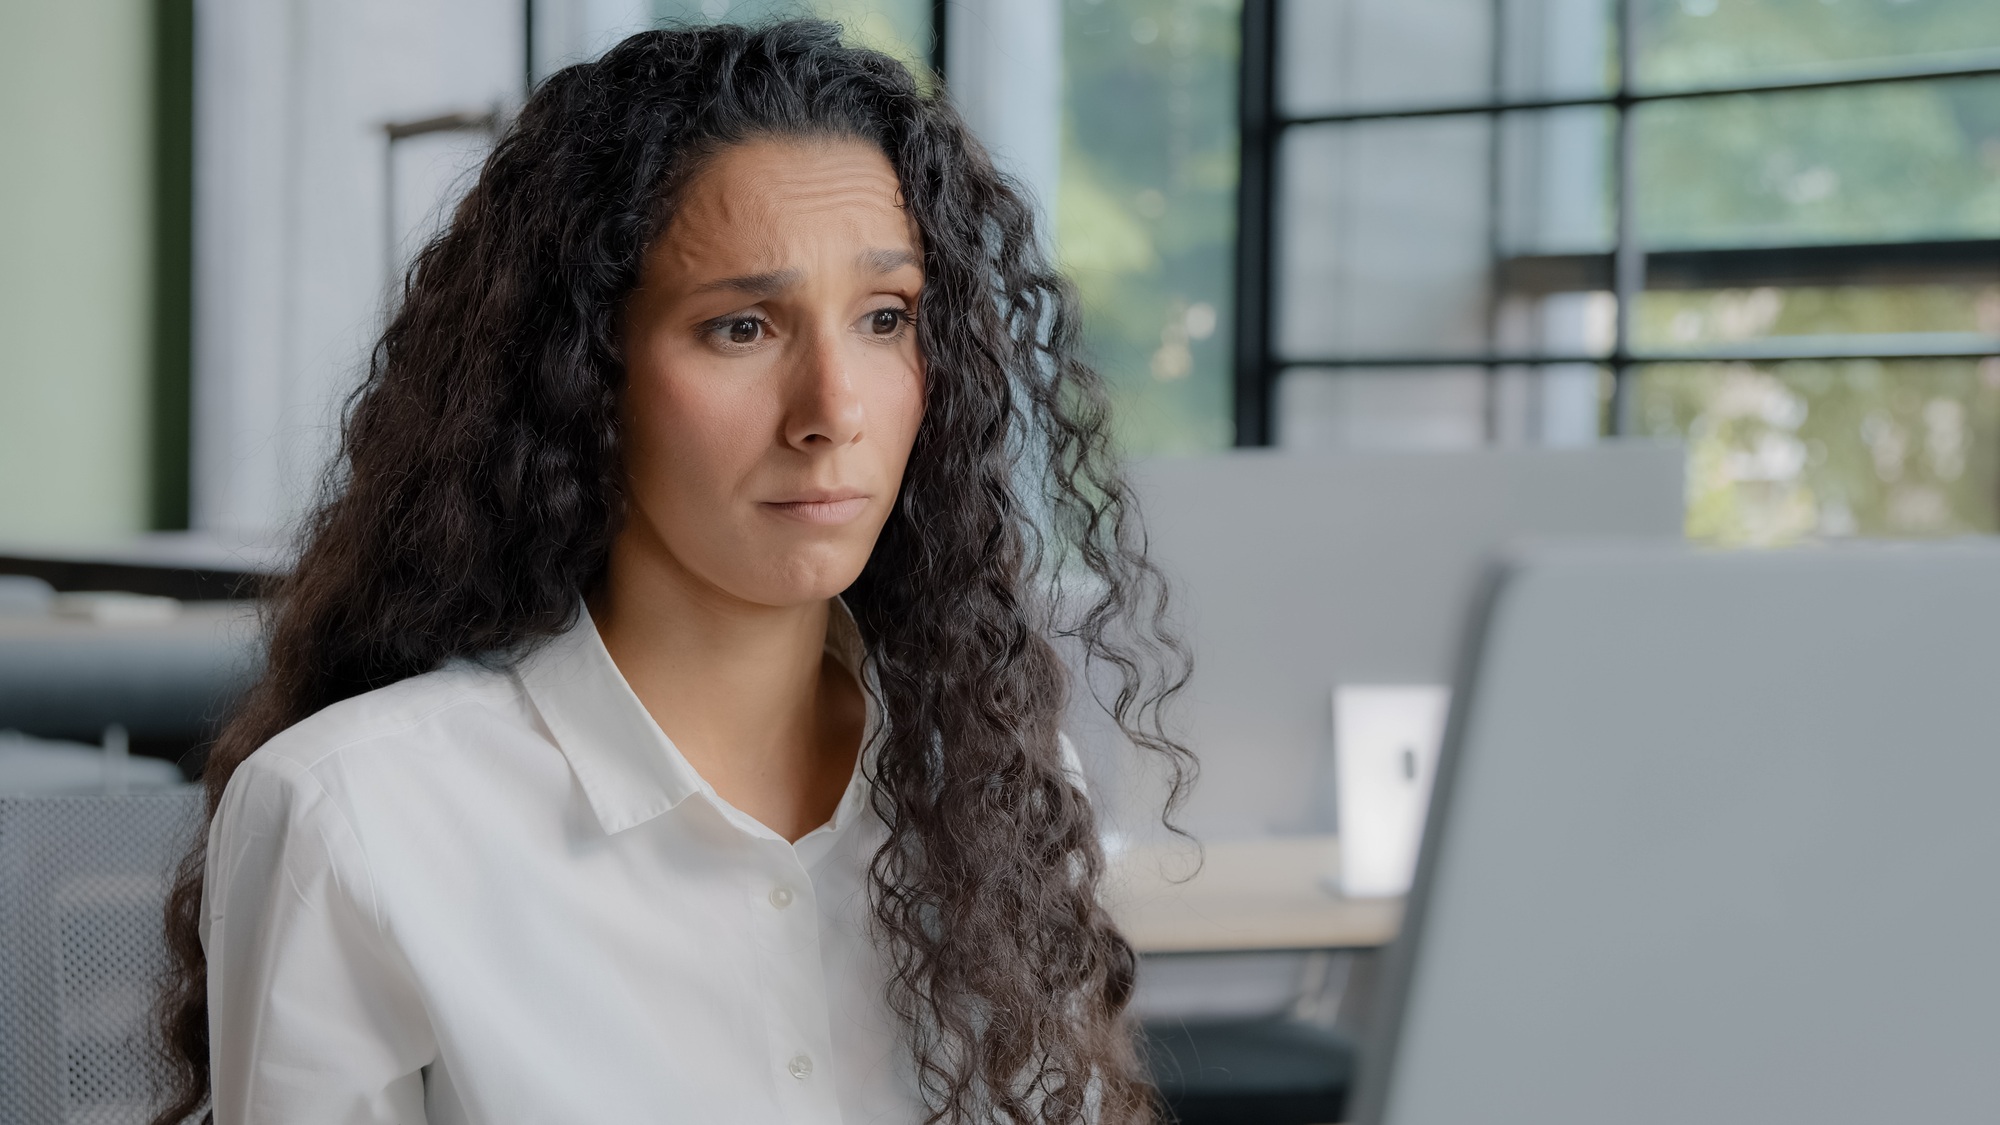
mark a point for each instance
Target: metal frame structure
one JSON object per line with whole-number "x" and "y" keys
{"x": 1626, "y": 271}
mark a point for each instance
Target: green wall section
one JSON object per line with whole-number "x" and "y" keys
{"x": 77, "y": 268}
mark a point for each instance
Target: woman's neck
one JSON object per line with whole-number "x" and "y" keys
{"x": 745, "y": 691}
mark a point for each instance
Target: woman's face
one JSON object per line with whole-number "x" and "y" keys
{"x": 773, "y": 382}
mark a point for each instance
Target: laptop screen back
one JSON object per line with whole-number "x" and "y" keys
{"x": 1715, "y": 840}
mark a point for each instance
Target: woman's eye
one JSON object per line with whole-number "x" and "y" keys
{"x": 743, "y": 330}
{"x": 886, "y": 322}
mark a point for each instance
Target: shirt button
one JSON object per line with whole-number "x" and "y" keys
{"x": 781, "y": 897}
{"x": 801, "y": 1066}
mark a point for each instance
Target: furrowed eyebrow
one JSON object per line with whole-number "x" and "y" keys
{"x": 755, "y": 284}
{"x": 888, "y": 261}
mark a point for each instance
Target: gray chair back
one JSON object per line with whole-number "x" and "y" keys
{"x": 83, "y": 883}
{"x": 1713, "y": 840}
{"x": 65, "y": 677}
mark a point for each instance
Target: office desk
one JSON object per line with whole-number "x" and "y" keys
{"x": 1248, "y": 895}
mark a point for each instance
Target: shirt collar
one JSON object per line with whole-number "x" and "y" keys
{"x": 629, "y": 769}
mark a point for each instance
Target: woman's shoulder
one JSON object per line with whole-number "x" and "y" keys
{"x": 438, "y": 712}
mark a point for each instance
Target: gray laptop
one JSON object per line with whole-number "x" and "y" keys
{"x": 1714, "y": 840}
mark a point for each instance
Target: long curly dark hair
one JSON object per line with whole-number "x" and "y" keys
{"x": 480, "y": 486}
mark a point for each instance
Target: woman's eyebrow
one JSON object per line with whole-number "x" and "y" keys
{"x": 767, "y": 284}
{"x": 887, "y": 261}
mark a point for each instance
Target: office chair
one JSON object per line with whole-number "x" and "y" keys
{"x": 1270, "y": 1071}
{"x": 166, "y": 681}
{"x": 83, "y": 883}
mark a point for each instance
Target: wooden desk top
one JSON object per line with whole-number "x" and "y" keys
{"x": 1248, "y": 895}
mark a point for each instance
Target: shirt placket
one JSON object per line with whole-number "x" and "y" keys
{"x": 786, "y": 936}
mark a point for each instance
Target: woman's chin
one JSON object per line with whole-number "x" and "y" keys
{"x": 802, "y": 577}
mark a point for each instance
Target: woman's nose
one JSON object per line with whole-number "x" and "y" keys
{"x": 826, "y": 410}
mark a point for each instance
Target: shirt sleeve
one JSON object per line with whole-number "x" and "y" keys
{"x": 314, "y": 1017}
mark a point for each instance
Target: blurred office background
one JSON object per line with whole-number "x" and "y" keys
{"x": 1445, "y": 256}
{"x": 1769, "y": 228}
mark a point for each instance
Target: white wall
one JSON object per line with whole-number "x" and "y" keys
{"x": 76, "y": 241}
{"x": 291, "y": 249}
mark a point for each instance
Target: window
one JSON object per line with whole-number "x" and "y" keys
{"x": 1145, "y": 209}
{"x": 1768, "y": 227}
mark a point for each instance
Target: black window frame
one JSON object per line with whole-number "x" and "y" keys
{"x": 1627, "y": 270}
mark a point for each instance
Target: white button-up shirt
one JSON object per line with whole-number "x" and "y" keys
{"x": 504, "y": 896}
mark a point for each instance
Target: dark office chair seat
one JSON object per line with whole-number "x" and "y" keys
{"x": 1272, "y": 1071}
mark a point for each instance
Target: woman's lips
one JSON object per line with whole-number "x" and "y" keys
{"x": 833, "y": 508}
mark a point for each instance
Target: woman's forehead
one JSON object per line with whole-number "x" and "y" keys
{"x": 772, "y": 206}
{"x": 798, "y": 183}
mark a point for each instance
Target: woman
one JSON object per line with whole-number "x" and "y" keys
{"x": 661, "y": 722}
